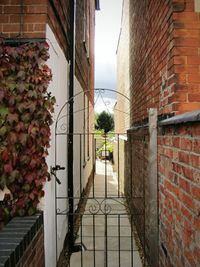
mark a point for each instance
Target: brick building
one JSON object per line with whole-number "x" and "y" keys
{"x": 122, "y": 108}
{"x": 122, "y": 105}
{"x": 49, "y": 20}
{"x": 165, "y": 160}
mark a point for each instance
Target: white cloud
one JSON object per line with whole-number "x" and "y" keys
{"x": 105, "y": 76}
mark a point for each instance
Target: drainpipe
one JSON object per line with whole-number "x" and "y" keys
{"x": 71, "y": 123}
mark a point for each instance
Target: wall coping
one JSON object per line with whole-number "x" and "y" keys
{"x": 193, "y": 116}
{"x": 16, "y": 236}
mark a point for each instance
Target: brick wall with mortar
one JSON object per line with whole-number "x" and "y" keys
{"x": 34, "y": 254}
{"x": 28, "y": 19}
{"x": 164, "y": 74}
{"x": 85, "y": 44}
{"x": 164, "y": 57}
{"x": 136, "y": 173}
{"x": 22, "y": 242}
{"x": 179, "y": 195}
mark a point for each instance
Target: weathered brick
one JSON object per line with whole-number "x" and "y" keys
{"x": 186, "y": 16}
{"x": 14, "y": 28}
{"x": 196, "y": 146}
{"x": 187, "y": 200}
{"x": 186, "y": 213}
{"x": 193, "y": 60}
{"x": 180, "y": 191}
{"x": 197, "y": 254}
{"x": 12, "y": 9}
{"x": 184, "y": 41}
{"x": 164, "y": 74}
{"x": 186, "y": 144}
{"x": 187, "y": 51}
{"x": 195, "y": 160}
{"x": 196, "y": 192}
{"x": 186, "y": 107}
{"x": 176, "y": 142}
{"x": 186, "y": 33}
{"x": 188, "y": 172}
{"x": 186, "y": 69}
{"x": 190, "y": 257}
{"x": 193, "y": 97}
{"x": 194, "y": 78}
{"x": 184, "y": 184}
{"x": 183, "y": 157}
{"x": 4, "y": 18}
{"x": 197, "y": 223}
{"x": 180, "y": 60}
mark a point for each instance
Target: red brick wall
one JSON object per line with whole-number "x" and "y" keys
{"x": 30, "y": 20}
{"x": 165, "y": 60}
{"x": 62, "y": 9}
{"x": 179, "y": 195}
{"x": 31, "y": 23}
{"x": 34, "y": 254}
{"x": 164, "y": 74}
{"x": 136, "y": 175}
{"x": 85, "y": 46}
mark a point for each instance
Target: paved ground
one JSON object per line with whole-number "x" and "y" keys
{"x": 105, "y": 229}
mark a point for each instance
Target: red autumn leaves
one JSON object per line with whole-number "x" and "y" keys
{"x": 25, "y": 119}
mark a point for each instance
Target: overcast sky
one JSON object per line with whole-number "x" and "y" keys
{"x": 108, "y": 23}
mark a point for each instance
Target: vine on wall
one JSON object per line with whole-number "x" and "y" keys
{"x": 25, "y": 119}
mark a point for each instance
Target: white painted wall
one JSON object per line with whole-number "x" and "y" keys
{"x": 59, "y": 88}
{"x": 58, "y": 155}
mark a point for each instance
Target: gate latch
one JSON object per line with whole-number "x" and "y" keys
{"x": 57, "y": 168}
{"x": 53, "y": 172}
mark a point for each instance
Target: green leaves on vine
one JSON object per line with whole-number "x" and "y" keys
{"x": 25, "y": 119}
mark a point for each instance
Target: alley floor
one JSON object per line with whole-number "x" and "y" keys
{"x": 105, "y": 230}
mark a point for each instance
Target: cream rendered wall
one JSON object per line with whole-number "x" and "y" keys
{"x": 122, "y": 107}
{"x": 59, "y": 87}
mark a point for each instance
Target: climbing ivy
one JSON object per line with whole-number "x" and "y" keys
{"x": 25, "y": 119}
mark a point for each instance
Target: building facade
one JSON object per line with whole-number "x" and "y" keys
{"x": 47, "y": 20}
{"x": 164, "y": 159}
{"x": 122, "y": 106}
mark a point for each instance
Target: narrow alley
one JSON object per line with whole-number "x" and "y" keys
{"x": 100, "y": 133}
{"x": 105, "y": 229}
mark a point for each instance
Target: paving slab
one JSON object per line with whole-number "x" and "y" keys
{"x": 105, "y": 228}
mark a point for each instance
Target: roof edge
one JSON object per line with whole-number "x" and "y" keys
{"x": 193, "y": 116}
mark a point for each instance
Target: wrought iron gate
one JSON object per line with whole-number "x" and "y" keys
{"x": 103, "y": 228}
{"x": 100, "y": 225}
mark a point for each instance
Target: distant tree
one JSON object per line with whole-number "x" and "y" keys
{"x": 105, "y": 122}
